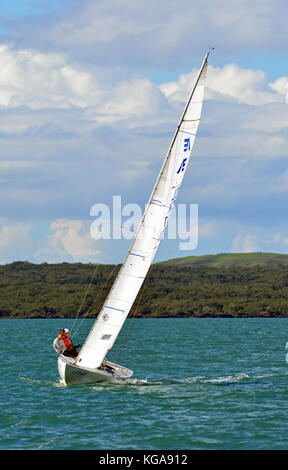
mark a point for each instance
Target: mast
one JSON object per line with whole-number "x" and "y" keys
{"x": 150, "y": 232}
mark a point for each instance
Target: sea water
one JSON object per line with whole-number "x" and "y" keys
{"x": 197, "y": 384}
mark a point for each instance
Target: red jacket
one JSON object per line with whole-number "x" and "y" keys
{"x": 67, "y": 341}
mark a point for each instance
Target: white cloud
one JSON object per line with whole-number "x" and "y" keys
{"x": 43, "y": 80}
{"x": 245, "y": 243}
{"x": 280, "y": 85}
{"x": 208, "y": 230}
{"x": 15, "y": 241}
{"x": 244, "y": 115}
{"x": 270, "y": 119}
{"x": 161, "y": 32}
{"x": 102, "y": 25}
{"x": 70, "y": 240}
{"x": 278, "y": 238}
{"x": 279, "y": 184}
{"x": 252, "y": 243}
{"x": 230, "y": 83}
{"x": 133, "y": 98}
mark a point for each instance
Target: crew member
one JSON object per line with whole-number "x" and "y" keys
{"x": 70, "y": 348}
{"x": 59, "y": 344}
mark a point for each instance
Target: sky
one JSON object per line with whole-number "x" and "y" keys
{"x": 90, "y": 94}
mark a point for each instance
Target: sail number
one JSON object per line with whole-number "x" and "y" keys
{"x": 187, "y": 147}
{"x": 186, "y": 144}
{"x": 182, "y": 166}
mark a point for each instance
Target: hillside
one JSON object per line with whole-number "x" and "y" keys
{"x": 230, "y": 259}
{"x": 244, "y": 285}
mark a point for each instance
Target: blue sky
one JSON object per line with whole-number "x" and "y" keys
{"x": 22, "y": 8}
{"x": 90, "y": 93}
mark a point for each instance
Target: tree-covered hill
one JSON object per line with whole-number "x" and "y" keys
{"x": 231, "y": 259}
{"x": 226, "y": 286}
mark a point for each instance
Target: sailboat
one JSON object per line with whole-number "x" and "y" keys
{"x": 91, "y": 364}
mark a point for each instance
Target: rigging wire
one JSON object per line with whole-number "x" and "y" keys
{"x": 96, "y": 298}
{"x": 89, "y": 285}
{"x": 84, "y": 297}
{"x": 124, "y": 341}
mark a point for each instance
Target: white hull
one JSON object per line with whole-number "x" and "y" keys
{"x": 70, "y": 374}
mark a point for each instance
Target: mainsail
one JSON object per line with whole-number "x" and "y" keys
{"x": 150, "y": 232}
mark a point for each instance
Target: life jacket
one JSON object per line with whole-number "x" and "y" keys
{"x": 67, "y": 341}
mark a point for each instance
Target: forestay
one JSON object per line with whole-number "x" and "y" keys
{"x": 144, "y": 246}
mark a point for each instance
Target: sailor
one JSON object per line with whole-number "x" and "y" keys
{"x": 70, "y": 348}
{"x": 59, "y": 344}
{"x": 67, "y": 340}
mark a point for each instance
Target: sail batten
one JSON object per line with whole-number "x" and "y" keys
{"x": 149, "y": 234}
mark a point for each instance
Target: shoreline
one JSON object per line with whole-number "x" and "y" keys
{"x": 172, "y": 290}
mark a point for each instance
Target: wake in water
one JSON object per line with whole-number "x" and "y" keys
{"x": 105, "y": 384}
{"x": 222, "y": 380}
{"x": 225, "y": 380}
{"x": 175, "y": 381}
{"x": 196, "y": 379}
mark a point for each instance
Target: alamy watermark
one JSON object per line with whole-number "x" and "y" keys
{"x": 125, "y": 220}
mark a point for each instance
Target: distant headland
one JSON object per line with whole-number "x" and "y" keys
{"x": 222, "y": 285}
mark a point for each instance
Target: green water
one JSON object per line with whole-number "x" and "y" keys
{"x": 198, "y": 384}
